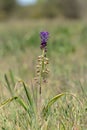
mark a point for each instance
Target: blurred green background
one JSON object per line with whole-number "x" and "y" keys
{"x": 13, "y": 9}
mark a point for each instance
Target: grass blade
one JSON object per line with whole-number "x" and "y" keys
{"x": 50, "y": 103}
{"x": 12, "y": 77}
{"x": 27, "y": 94}
{"x": 7, "y": 101}
{"x": 54, "y": 99}
{"x": 8, "y": 84}
{"x": 22, "y": 103}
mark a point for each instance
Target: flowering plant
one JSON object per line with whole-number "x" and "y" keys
{"x": 37, "y": 117}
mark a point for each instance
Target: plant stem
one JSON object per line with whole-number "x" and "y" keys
{"x": 40, "y": 79}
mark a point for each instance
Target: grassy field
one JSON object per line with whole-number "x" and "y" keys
{"x": 67, "y": 53}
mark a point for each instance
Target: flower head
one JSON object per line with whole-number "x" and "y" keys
{"x": 44, "y": 38}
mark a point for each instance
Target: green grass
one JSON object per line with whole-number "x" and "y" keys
{"x": 67, "y": 52}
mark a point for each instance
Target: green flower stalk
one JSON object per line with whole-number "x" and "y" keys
{"x": 42, "y": 65}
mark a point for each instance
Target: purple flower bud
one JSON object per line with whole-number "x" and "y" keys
{"x": 44, "y": 38}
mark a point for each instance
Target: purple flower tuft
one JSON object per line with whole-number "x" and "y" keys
{"x": 44, "y": 38}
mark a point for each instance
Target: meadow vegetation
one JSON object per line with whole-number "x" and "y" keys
{"x": 67, "y": 53}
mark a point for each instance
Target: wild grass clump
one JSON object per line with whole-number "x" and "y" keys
{"x": 33, "y": 107}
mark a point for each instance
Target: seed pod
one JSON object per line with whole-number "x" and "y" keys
{"x": 44, "y": 80}
{"x": 40, "y": 63}
{"x": 45, "y": 62}
{"x": 46, "y": 59}
{"x": 39, "y": 57}
{"x": 39, "y": 60}
{"x": 35, "y": 78}
{"x": 38, "y": 71}
{"x": 47, "y": 70}
{"x": 38, "y": 74}
{"x": 37, "y": 66}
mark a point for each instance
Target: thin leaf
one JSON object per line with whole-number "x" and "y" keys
{"x": 22, "y": 103}
{"x": 54, "y": 99}
{"x": 7, "y": 101}
{"x": 12, "y": 77}
{"x": 27, "y": 94}
{"x": 45, "y": 110}
{"x": 8, "y": 84}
